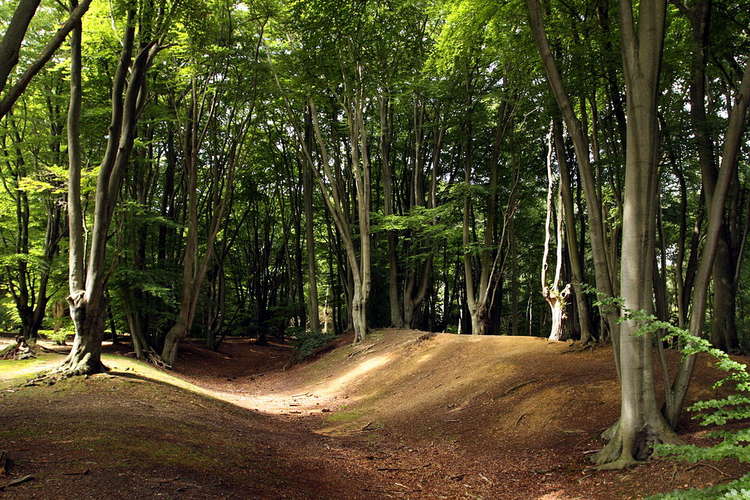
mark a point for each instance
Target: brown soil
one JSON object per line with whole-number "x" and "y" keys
{"x": 403, "y": 415}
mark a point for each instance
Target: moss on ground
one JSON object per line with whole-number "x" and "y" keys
{"x": 341, "y": 417}
{"x": 16, "y": 372}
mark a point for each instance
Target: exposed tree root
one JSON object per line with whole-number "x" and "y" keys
{"x": 610, "y": 433}
{"x": 619, "y": 464}
{"x": 616, "y": 456}
{"x": 153, "y": 358}
{"x": 73, "y": 366}
{"x": 18, "y": 350}
{"x": 578, "y": 346}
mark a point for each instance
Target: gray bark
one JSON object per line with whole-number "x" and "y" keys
{"x": 576, "y": 267}
{"x": 86, "y": 297}
{"x": 732, "y": 144}
{"x": 641, "y": 422}
{"x": 13, "y": 43}
{"x": 605, "y": 282}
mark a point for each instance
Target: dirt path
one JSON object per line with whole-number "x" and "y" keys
{"x": 398, "y": 417}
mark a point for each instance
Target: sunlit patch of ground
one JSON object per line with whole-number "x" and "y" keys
{"x": 400, "y": 415}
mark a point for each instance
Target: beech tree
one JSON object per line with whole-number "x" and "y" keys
{"x": 143, "y": 38}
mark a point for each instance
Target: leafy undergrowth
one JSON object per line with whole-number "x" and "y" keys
{"x": 401, "y": 415}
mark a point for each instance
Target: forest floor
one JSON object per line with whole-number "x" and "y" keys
{"x": 403, "y": 415}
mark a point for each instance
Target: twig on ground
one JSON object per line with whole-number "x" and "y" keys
{"x": 710, "y": 467}
{"x": 84, "y": 472}
{"x": 400, "y": 469}
{"x": 516, "y": 387}
{"x": 18, "y": 481}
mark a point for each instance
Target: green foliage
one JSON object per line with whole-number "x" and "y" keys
{"x": 59, "y": 336}
{"x": 738, "y": 489}
{"x": 8, "y": 314}
{"x": 306, "y": 342}
{"x": 733, "y": 408}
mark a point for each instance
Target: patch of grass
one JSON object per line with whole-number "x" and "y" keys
{"x": 12, "y": 367}
{"x": 341, "y": 417}
{"x": 156, "y": 452}
{"x": 16, "y": 372}
{"x": 16, "y": 433}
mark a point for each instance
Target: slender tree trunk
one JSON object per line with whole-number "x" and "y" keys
{"x": 605, "y": 282}
{"x": 732, "y": 144}
{"x": 576, "y": 267}
{"x": 334, "y": 197}
{"x": 195, "y": 267}
{"x": 11, "y": 43}
{"x": 397, "y": 319}
{"x": 312, "y": 278}
{"x": 556, "y": 298}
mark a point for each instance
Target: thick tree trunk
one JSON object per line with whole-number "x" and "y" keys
{"x": 86, "y": 297}
{"x": 172, "y": 341}
{"x": 641, "y": 422}
{"x": 723, "y": 326}
{"x": 85, "y": 355}
{"x": 479, "y": 319}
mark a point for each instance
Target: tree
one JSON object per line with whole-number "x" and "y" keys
{"x": 10, "y": 48}
{"x": 87, "y": 285}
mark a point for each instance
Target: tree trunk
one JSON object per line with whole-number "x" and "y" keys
{"x": 641, "y": 423}
{"x": 603, "y": 271}
{"x": 576, "y": 267}
{"x": 312, "y": 278}
{"x": 479, "y": 318}
{"x": 11, "y": 43}
{"x": 86, "y": 297}
{"x": 85, "y": 355}
{"x": 397, "y": 319}
{"x": 556, "y": 298}
{"x": 727, "y": 172}
{"x": 723, "y": 326}
{"x": 359, "y": 264}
